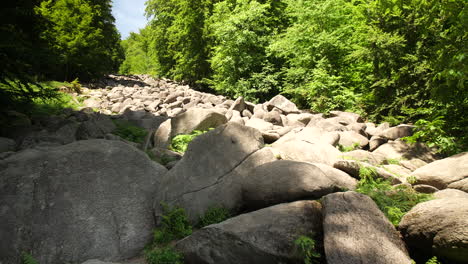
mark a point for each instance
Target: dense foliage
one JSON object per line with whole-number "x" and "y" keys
{"x": 393, "y": 200}
{"x": 61, "y": 39}
{"x": 390, "y": 60}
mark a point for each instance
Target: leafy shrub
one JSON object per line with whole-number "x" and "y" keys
{"x": 180, "y": 142}
{"x": 130, "y": 132}
{"x": 213, "y": 215}
{"x": 306, "y": 247}
{"x": 392, "y": 161}
{"x": 26, "y": 258}
{"x": 164, "y": 255}
{"x": 432, "y": 133}
{"x": 175, "y": 225}
{"x": 348, "y": 148}
{"x": 393, "y": 201}
{"x": 433, "y": 260}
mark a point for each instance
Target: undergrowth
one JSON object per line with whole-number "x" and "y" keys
{"x": 393, "y": 201}
{"x": 130, "y": 132}
{"x": 27, "y": 258}
{"x": 180, "y": 142}
{"x": 348, "y": 148}
{"x": 213, "y": 215}
{"x": 306, "y": 247}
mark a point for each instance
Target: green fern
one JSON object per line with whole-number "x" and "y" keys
{"x": 306, "y": 247}
{"x": 27, "y": 258}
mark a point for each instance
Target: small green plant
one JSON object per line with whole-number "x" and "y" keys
{"x": 393, "y": 201}
{"x": 306, "y": 247}
{"x": 27, "y": 258}
{"x": 348, "y": 148}
{"x": 128, "y": 131}
{"x": 433, "y": 260}
{"x": 213, "y": 215}
{"x": 411, "y": 179}
{"x": 175, "y": 225}
{"x": 180, "y": 143}
{"x": 392, "y": 161}
{"x": 163, "y": 255}
{"x": 76, "y": 86}
{"x": 433, "y": 134}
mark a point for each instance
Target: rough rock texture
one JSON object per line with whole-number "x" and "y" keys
{"x": 438, "y": 227}
{"x": 263, "y": 236}
{"x": 352, "y": 168}
{"x": 96, "y": 127}
{"x": 285, "y": 181}
{"x": 365, "y": 156}
{"x": 207, "y": 177}
{"x": 7, "y": 144}
{"x": 311, "y": 135}
{"x": 349, "y": 138}
{"x": 300, "y": 150}
{"x": 196, "y": 119}
{"x": 460, "y": 185}
{"x": 283, "y": 104}
{"x": 356, "y": 231}
{"x": 450, "y": 193}
{"x": 402, "y": 150}
{"x": 443, "y": 172}
{"x": 397, "y": 132}
{"x": 89, "y": 199}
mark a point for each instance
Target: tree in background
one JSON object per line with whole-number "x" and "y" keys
{"x": 242, "y": 30}
{"x": 83, "y": 36}
{"x": 138, "y": 59}
{"x": 179, "y": 41}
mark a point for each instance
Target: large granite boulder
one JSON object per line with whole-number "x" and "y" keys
{"x": 282, "y": 103}
{"x": 402, "y": 150}
{"x": 88, "y": 199}
{"x": 7, "y": 144}
{"x": 285, "y": 181}
{"x": 444, "y": 172}
{"x": 356, "y": 231}
{"x": 212, "y": 169}
{"x": 300, "y": 150}
{"x": 263, "y": 236}
{"x": 438, "y": 227}
{"x": 196, "y": 119}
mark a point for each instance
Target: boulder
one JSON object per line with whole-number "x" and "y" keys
{"x": 397, "y": 132}
{"x": 90, "y": 199}
{"x": 259, "y": 124}
{"x": 375, "y": 142}
{"x": 300, "y": 150}
{"x": 438, "y": 227}
{"x": 211, "y": 176}
{"x": 196, "y": 119}
{"x": 238, "y": 104}
{"x": 92, "y": 102}
{"x": 349, "y": 138}
{"x": 401, "y": 150}
{"x": 282, "y": 103}
{"x": 413, "y": 164}
{"x": 356, "y": 231}
{"x": 285, "y": 181}
{"x": 459, "y": 185}
{"x": 443, "y": 172}
{"x": 450, "y": 193}
{"x": 96, "y": 127}
{"x": 7, "y": 144}
{"x": 352, "y": 168}
{"x": 65, "y": 134}
{"x": 263, "y": 236}
{"x": 423, "y": 188}
{"x": 352, "y": 117}
{"x": 162, "y": 136}
{"x": 311, "y": 135}
{"x": 365, "y": 156}
{"x": 373, "y": 131}
{"x": 273, "y": 117}
{"x": 329, "y": 124}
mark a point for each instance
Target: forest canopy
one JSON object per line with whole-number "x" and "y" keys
{"x": 390, "y": 60}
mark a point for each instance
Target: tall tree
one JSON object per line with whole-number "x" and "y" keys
{"x": 82, "y": 33}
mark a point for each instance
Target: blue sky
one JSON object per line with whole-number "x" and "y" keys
{"x": 129, "y": 16}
